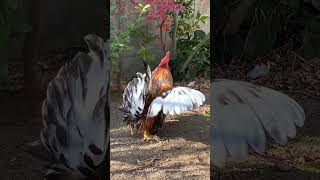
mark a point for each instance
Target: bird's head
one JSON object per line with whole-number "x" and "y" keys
{"x": 165, "y": 61}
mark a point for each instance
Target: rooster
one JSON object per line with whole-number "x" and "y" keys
{"x": 245, "y": 115}
{"x": 150, "y": 97}
{"x": 75, "y": 115}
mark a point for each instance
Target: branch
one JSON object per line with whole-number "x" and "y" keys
{"x": 197, "y": 48}
{"x": 174, "y": 38}
{"x": 161, "y": 36}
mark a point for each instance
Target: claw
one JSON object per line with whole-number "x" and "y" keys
{"x": 147, "y": 136}
{"x": 131, "y": 129}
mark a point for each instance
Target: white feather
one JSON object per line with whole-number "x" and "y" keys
{"x": 176, "y": 101}
{"x": 244, "y": 114}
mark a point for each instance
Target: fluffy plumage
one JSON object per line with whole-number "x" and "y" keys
{"x": 74, "y": 112}
{"x": 148, "y": 98}
{"x": 175, "y": 101}
{"x": 134, "y": 97}
{"x": 245, "y": 115}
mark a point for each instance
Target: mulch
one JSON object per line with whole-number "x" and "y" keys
{"x": 289, "y": 72}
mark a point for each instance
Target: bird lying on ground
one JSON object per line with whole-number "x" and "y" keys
{"x": 75, "y": 114}
{"x": 245, "y": 115}
{"x": 150, "y": 97}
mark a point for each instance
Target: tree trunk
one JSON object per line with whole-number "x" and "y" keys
{"x": 174, "y": 37}
{"x": 119, "y": 75}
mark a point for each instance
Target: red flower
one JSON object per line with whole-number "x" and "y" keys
{"x": 159, "y": 11}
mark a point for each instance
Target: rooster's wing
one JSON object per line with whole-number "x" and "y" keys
{"x": 244, "y": 114}
{"x": 176, "y": 101}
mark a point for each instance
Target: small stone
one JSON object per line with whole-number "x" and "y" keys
{"x": 191, "y": 84}
{"x": 258, "y": 71}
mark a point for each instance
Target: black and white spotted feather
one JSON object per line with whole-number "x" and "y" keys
{"x": 176, "y": 101}
{"x": 134, "y": 97}
{"x": 74, "y": 112}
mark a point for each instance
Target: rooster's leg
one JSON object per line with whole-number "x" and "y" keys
{"x": 147, "y": 136}
{"x": 131, "y": 129}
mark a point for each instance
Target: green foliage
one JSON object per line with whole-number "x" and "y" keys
{"x": 312, "y": 167}
{"x": 146, "y": 55}
{"x": 9, "y": 25}
{"x": 200, "y": 61}
{"x": 187, "y": 32}
{"x": 121, "y": 40}
{"x": 190, "y": 20}
{"x": 188, "y": 63}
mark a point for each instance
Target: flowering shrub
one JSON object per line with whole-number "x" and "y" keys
{"x": 178, "y": 17}
{"x": 132, "y": 31}
{"x": 161, "y": 12}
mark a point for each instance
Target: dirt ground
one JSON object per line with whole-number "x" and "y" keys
{"x": 183, "y": 155}
{"x": 17, "y": 129}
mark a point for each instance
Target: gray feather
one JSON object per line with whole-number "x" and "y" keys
{"x": 74, "y": 120}
{"x": 245, "y": 114}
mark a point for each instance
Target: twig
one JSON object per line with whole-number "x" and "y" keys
{"x": 161, "y": 35}
{"x": 294, "y": 63}
{"x": 273, "y": 12}
{"x": 247, "y": 37}
{"x": 174, "y": 38}
{"x": 301, "y": 58}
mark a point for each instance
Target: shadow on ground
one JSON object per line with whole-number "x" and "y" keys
{"x": 18, "y": 128}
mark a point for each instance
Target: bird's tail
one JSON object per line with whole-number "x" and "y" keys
{"x": 148, "y": 69}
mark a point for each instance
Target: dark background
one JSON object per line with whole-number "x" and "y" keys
{"x": 36, "y": 38}
{"x": 284, "y": 36}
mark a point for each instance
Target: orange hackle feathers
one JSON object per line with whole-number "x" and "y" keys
{"x": 161, "y": 81}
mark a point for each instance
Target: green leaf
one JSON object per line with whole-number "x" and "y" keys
{"x": 203, "y": 18}
{"x": 145, "y": 54}
{"x": 199, "y": 34}
{"x": 198, "y": 15}
{"x": 145, "y": 8}
{"x": 112, "y": 9}
{"x": 312, "y": 167}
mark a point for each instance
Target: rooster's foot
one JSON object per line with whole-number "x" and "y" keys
{"x": 147, "y": 136}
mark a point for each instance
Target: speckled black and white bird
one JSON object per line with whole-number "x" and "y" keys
{"x": 75, "y": 114}
{"x": 244, "y": 115}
